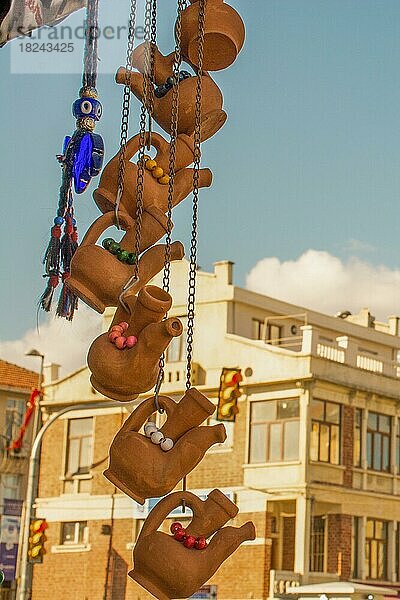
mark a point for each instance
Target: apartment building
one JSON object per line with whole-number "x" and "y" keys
{"x": 16, "y": 384}
{"x": 313, "y": 457}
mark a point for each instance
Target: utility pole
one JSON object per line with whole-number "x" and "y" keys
{"x": 25, "y": 582}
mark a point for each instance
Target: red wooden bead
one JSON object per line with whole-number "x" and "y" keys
{"x": 201, "y": 543}
{"x": 189, "y": 541}
{"x": 175, "y": 527}
{"x": 180, "y": 535}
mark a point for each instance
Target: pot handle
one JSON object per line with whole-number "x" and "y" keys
{"x": 104, "y": 222}
{"x": 167, "y": 505}
{"x": 137, "y": 418}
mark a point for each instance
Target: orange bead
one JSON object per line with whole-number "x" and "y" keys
{"x": 157, "y": 172}
{"x": 164, "y": 180}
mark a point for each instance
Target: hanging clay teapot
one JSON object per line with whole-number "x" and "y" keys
{"x": 124, "y": 374}
{"x": 223, "y": 34}
{"x": 140, "y": 468}
{"x": 98, "y": 277}
{"x": 153, "y": 192}
{"x": 165, "y": 567}
{"x": 212, "y": 115}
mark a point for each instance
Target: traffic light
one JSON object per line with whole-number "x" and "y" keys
{"x": 37, "y": 539}
{"x": 228, "y": 394}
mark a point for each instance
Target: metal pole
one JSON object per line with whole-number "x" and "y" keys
{"x": 26, "y": 567}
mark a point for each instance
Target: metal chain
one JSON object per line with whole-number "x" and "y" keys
{"x": 125, "y": 109}
{"x": 146, "y": 109}
{"x": 171, "y": 171}
{"x": 197, "y": 158}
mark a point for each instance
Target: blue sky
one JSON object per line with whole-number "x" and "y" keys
{"x": 309, "y": 157}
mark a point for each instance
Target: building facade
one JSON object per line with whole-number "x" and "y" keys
{"x": 313, "y": 457}
{"x": 16, "y": 384}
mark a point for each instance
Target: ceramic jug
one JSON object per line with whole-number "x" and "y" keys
{"x": 153, "y": 191}
{"x": 223, "y": 34}
{"x": 212, "y": 115}
{"x": 98, "y": 277}
{"x": 165, "y": 567}
{"x": 140, "y": 468}
{"x": 124, "y": 374}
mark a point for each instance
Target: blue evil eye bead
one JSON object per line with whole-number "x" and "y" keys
{"x": 169, "y": 83}
{"x": 88, "y": 160}
{"x": 87, "y": 107}
{"x": 160, "y": 91}
{"x": 184, "y": 75}
{"x": 58, "y": 221}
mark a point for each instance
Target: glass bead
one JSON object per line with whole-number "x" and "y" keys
{"x": 123, "y": 255}
{"x": 114, "y": 248}
{"x": 58, "y": 221}
{"x": 131, "y": 260}
{"x": 107, "y": 243}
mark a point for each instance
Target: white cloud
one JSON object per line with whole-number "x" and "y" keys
{"x": 60, "y": 341}
{"x": 323, "y": 282}
{"x": 354, "y": 245}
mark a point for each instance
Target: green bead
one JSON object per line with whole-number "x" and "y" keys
{"x": 131, "y": 258}
{"x": 114, "y": 248}
{"x": 123, "y": 255}
{"x": 107, "y": 243}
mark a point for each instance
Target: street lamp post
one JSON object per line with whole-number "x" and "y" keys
{"x": 31, "y": 488}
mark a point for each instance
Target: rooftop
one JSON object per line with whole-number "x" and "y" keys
{"x": 13, "y": 376}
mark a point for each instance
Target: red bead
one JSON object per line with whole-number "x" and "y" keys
{"x": 66, "y": 275}
{"x": 189, "y": 541}
{"x": 74, "y": 236}
{"x": 180, "y": 535}
{"x": 175, "y": 527}
{"x": 201, "y": 543}
{"x": 69, "y": 229}
{"x": 54, "y": 281}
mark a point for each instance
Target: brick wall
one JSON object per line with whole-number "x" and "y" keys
{"x": 339, "y": 545}
{"x": 347, "y": 444}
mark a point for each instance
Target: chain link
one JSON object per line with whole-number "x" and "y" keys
{"x": 126, "y": 102}
{"x": 171, "y": 166}
{"x": 197, "y": 158}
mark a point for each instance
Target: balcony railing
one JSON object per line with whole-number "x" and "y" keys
{"x": 343, "y": 350}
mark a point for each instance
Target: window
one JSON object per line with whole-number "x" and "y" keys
{"x": 376, "y": 543}
{"x": 258, "y": 329}
{"x": 325, "y": 432}
{"x": 378, "y": 442}
{"x": 357, "y": 437}
{"x": 274, "y": 431}
{"x": 274, "y": 334}
{"x": 176, "y": 349}
{"x": 74, "y": 533}
{"x": 10, "y": 486}
{"x": 355, "y": 540}
{"x": 15, "y": 409}
{"x": 317, "y": 544}
{"x": 79, "y": 455}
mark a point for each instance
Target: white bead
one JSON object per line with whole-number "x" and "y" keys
{"x": 150, "y": 428}
{"x": 167, "y": 444}
{"x": 156, "y": 437}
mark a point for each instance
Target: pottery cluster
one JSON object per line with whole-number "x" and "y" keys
{"x": 146, "y": 460}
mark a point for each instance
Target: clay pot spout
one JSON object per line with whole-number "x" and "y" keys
{"x": 228, "y": 539}
{"x": 124, "y": 374}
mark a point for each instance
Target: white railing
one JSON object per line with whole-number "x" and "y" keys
{"x": 369, "y": 364}
{"x": 331, "y": 353}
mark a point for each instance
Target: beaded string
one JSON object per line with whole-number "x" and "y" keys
{"x": 81, "y": 160}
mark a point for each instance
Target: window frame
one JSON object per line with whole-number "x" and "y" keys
{"x": 267, "y": 426}
{"x": 316, "y": 558}
{"x": 374, "y": 433}
{"x": 72, "y": 481}
{"x": 329, "y": 425}
{"x": 77, "y": 528}
{"x": 368, "y": 544}
{"x": 357, "y": 461}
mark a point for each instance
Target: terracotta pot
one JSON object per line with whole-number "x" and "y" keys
{"x": 213, "y": 117}
{"x": 165, "y": 567}
{"x": 224, "y": 34}
{"x": 140, "y": 468}
{"x": 98, "y": 277}
{"x": 153, "y": 192}
{"x": 124, "y": 374}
